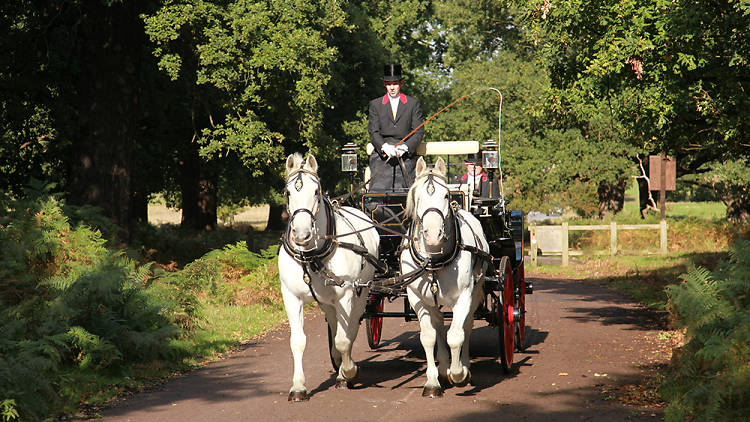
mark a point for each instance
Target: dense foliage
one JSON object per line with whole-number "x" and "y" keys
{"x": 69, "y": 305}
{"x": 670, "y": 76}
{"x": 710, "y": 376}
{"x": 68, "y": 301}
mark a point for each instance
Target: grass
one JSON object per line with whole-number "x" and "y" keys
{"x": 248, "y": 303}
{"x": 227, "y": 327}
{"x": 255, "y": 217}
{"x": 676, "y": 210}
{"x": 698, "y": 235}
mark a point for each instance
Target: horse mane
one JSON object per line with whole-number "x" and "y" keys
{"x": 298, "y": 161}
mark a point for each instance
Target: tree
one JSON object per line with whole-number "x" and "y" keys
{"x": 253, "y": 74}
{"x": 672, "y": 73}
{"x": 70, "y": 79}
{"x": 550, "y": 159}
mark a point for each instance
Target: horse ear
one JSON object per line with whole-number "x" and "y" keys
{"x": 421, "y": 167}
{"x": 290, "y": 165}
{"x": 440, "y": 166}
{"x": 311, "y": 163}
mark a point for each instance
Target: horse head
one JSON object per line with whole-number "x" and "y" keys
{"x": 428, "y": 203}
{"x": 303, "y": 199}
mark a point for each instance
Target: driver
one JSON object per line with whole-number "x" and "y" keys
{"x": 391, "y": 118}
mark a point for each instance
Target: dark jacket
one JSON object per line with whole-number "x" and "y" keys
{"x": 383, "y": 128}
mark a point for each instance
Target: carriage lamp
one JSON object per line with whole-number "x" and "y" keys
{"x": 491, "y": 162}
{"x": 349, "y": 157}
{"x": 489, "y": 155}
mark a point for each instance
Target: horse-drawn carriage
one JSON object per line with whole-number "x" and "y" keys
{"x": 438, "y": 245}
{"x": 505, "y": 287}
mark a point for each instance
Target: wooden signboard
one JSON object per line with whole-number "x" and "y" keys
{"x": 654, "y": 172}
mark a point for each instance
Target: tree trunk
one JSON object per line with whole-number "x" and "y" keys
{"x": 139, "y": 208}
{"x": 738, "y": 209}
{"x": 611, "y": 197}
{"x": 198, "y": 185}
{"x": 101, "y": 169}
{"x": 277, "y": 217}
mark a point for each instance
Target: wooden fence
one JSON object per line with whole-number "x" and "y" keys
{"x": 554, "y": 239}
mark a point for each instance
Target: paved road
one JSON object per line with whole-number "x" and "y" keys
{"x": 578, "y": 332}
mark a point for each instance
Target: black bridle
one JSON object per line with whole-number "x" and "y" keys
{"x": 450, "y": 229}
{"x": 327, "y": 247}
{"x": 312, "y": 260}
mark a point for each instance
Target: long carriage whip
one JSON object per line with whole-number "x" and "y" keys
{"x": 499, "y": 126}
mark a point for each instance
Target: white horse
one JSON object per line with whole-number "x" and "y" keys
{"x": 314, "y": 266}
{"x": 450, "y": 244}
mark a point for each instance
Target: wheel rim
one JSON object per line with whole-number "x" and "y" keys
{"x": 375, "y": 324}
{"x": 508, "y": 325}
{"x": 521, "y": 306}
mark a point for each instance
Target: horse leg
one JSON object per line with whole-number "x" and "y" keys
{"x": 443, "y": 356}
{"x": 333, "y": 324}
{"x": 459, "y": 373}
{"x": 349, "y": 310}
{"x": 297, "y": 340}
{"x": 469, "y": 325}
{"x": 428, "y": 336}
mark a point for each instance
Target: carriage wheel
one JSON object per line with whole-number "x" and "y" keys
{"x": 330, "y": 349}
{"x": 521, "y": 310}
{"x": 375, "y": 324}
{"x": 505, "y": 325}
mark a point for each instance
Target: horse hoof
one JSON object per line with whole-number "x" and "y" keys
{"x": 352, "y": 374}
{"x": 432, "y": 392}
{"x": 298, "y": 396}
{"x": 343, "y": 384}
{"x": 463, "y": 382}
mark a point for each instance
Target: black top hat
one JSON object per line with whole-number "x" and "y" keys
{"x": 474, "y": 158}
{"x": 392, "y": 72}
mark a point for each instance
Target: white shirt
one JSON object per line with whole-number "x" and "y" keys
{"x": 394, "y": 104}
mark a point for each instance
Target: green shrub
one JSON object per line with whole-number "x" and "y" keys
{"x": 167, "y": 243}
{"x": 67, "y": 301}
{"x": 208, "y": 276}
{"x": 710, "y": 375}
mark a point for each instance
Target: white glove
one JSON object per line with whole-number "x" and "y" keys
{"x": 401, "y": 149}
{"x": 389, "y": 150}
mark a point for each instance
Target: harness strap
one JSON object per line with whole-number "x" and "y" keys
{"x": 374, "y": 224}
{"x": 483, "y": 256}
{"x": 346, "y": 196}
{"x": 306, "y": 278}
{"x": 361, "y": 250}
{"x": 395, "y": 285}
{"x": 443, "y": 260}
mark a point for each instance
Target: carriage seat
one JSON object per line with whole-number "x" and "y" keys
{"x": 440, "y": 148}
{"x": 434, "y": 148}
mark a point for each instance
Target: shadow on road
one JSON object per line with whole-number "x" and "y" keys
{"x": 619, "y": 310}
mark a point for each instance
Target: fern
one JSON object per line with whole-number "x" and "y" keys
{"x": 8, "y": 410}
{"x": 67, "y": 301}
{"x": 710, "y": 376}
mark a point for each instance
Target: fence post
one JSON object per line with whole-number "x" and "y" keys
{"x": 663, "y": 236}
{"x": 613, "y": 238}
{"x": 564, "y": 244}
{"x": 534, "y": 247}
